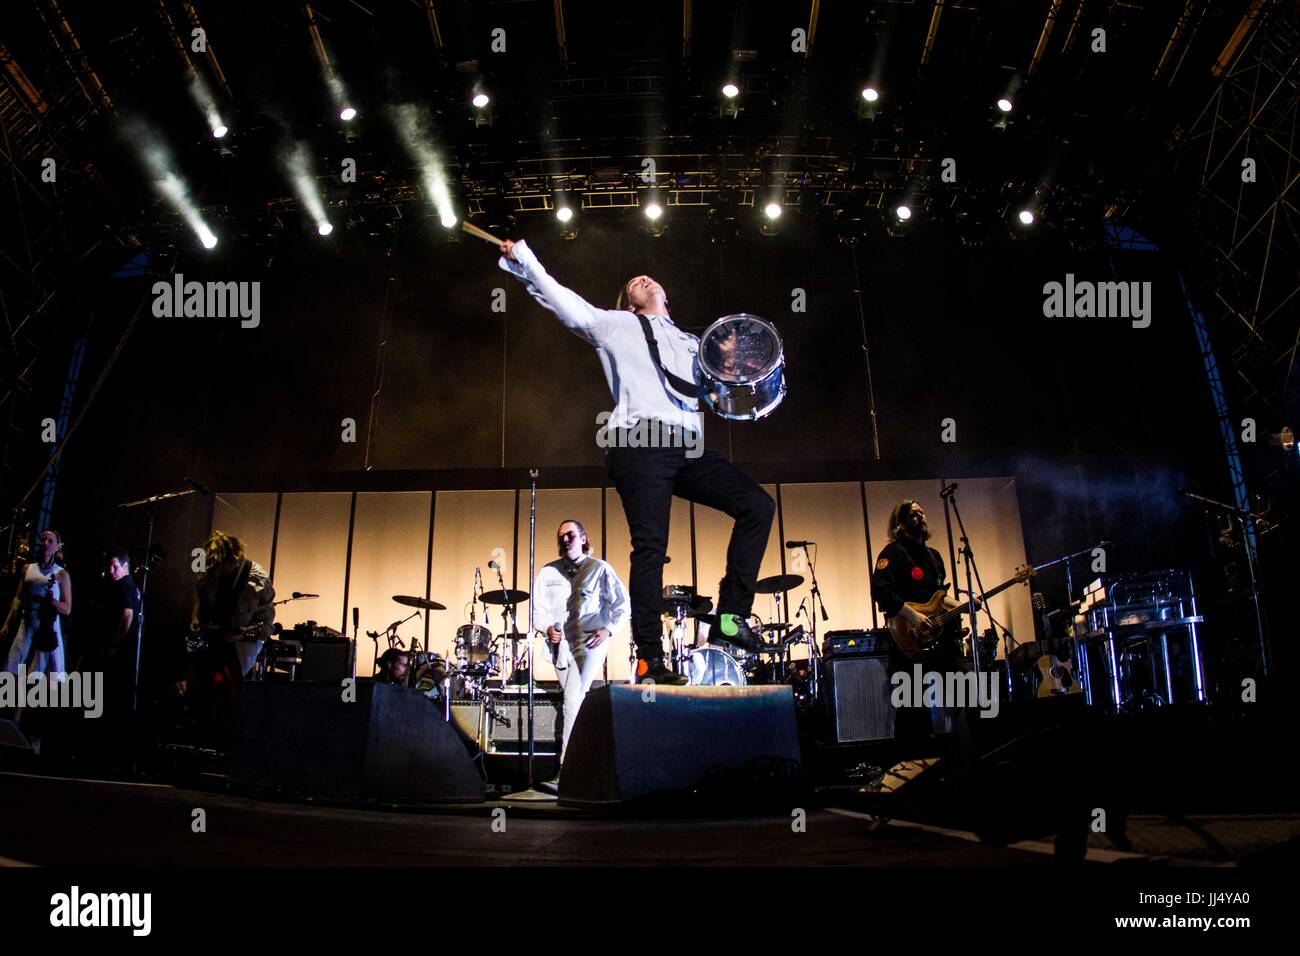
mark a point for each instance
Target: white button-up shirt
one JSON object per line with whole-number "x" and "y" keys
{"x": 635, "y": 382}
{"x": 579, "y": 596}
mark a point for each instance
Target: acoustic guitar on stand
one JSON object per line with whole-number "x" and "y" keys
{"x": 941, "y": 610}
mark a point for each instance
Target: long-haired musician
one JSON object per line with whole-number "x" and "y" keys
{"x": 233, "y": 612}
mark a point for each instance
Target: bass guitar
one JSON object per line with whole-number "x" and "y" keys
{"x": 941, "y": 610}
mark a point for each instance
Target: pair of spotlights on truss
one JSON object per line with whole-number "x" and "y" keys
{"x": 869, "y": 93}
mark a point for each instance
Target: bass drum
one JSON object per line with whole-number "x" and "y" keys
{"x": 711, "y": 667}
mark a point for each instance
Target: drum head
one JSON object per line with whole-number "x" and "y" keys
{"x": 711, "y": 667}
{"x": 740, "y": 348}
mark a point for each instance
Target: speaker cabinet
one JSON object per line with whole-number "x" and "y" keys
{"x": 858, "y": 693}
{"x": 632, "y": 742}
{"x": 390, "y": 743}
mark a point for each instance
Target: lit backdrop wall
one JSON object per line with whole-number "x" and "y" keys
{"x": 358, "y": 549}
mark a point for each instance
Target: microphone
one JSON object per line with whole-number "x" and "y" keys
{"x": 356, "y": 618}
{"x": 801, "y": 607}
{"x": 799, "y": 544}
{"x": 947, "y": 492}
{"x": 298, "y": 595}
{"x": 494, "y": 566}
{"x": 200, "y": 488}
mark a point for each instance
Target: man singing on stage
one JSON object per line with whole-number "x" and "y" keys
{"x": 648, "y": 477}
{"x": 579, "y": 602}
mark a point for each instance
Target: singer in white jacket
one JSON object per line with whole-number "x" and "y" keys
{"x": 579, "y": 603}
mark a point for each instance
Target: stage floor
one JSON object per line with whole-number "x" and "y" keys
{"x": 112, "y": 824}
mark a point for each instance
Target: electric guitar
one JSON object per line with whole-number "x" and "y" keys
{"x": 941, "y": 610}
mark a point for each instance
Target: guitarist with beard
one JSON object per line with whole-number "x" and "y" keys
{"x": 910, "y": 571}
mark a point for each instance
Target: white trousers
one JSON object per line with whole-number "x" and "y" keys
{"x": 576, "y": 668}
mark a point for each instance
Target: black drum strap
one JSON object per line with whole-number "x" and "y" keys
{"x": 676, "y": 381}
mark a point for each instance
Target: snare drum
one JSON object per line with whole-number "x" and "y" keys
{"x": 711, "y": 667}
{"x": 473, "y": 643}
{"x": 743, "y": 364}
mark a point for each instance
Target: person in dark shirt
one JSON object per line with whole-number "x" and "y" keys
{"x": 121, "y": 629}
{"x": 909, "y": 570}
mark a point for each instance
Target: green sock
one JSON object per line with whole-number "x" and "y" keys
{"x": 728, "y": 624}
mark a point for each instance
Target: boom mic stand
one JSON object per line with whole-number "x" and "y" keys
{"x": 148, "y": 503}
{"x": 530, "y": 794}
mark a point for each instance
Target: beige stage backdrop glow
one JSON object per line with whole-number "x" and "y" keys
{"x": 360, "y": 550}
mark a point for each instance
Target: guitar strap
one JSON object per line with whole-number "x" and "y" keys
{"x": 678, "y": 383}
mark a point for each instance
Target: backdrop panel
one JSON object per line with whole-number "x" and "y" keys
{"x": 831, "y": 515}
{"x": 390, "y": 543}
{"x": 470, "y": 529}
{"x": 712, "y": 532}
{"x": 311, "y": 556}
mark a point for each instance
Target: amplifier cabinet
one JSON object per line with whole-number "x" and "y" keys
{"x": 858, "y": 692}
{"x": 501, "y": 726}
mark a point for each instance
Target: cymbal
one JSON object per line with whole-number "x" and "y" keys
{"x": 424, "y": 604}
{"x": 503, "y": 597}
{"x": 778, "y": 583}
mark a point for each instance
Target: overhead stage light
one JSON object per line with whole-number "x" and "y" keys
{"x": 347, "y": 114}
{"x": 654, "y": 210}
{"x": 481, "y": 100}
{"x": 730, "y": 90}
{"x": 1026, "y": 217}
{"x": 1005, "y": 105}
{"x": 564, "y": 214}
{"x": 870, "y": 94}
{"x": 903, "y": 212}
{"x": 324, "y": 228}
{"x": 772, "y": 210}
{"x": 219, "y": 131}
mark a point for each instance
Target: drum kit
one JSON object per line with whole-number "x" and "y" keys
{"x": 477, "y": 654}
{"x": 713, "y": 664}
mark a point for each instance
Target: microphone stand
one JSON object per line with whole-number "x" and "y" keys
{"x": 150, "y": 504}
{"x": 814, "y": 666}
{"x": 530, "y": 793}
{"x": 969, "y": 555}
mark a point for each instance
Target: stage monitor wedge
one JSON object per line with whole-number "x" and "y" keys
{"x": 632, "y": 742}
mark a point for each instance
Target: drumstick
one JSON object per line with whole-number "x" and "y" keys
{"x": 474, "y": 230}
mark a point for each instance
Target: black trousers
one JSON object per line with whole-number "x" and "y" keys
{"x": 647, "y": 479}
